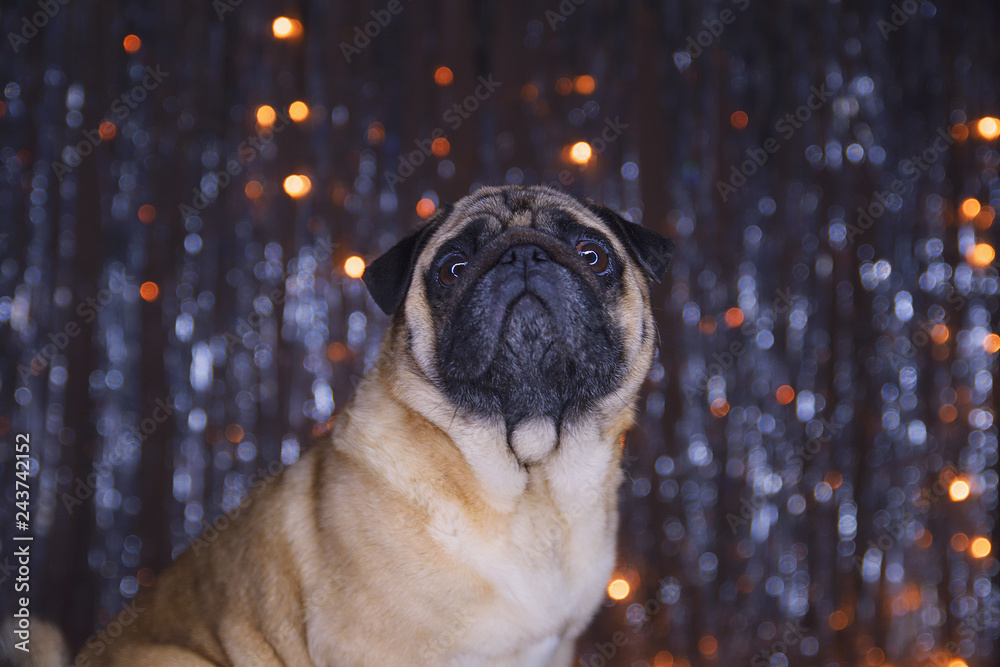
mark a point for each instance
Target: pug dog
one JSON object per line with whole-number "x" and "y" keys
{"x": 463, "y": 511}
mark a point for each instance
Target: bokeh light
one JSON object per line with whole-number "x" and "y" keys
{"x": 988, "y": 128}
{"x": 426, "y": 207}
{"x": 785, "y": 394}
{"x": 132, "y": 43}
{"x": 354, "y": 266}
{"x": 958, "y": 490}
{"x": 286, "y": 28}
{"x": 618, "y": 589}
{"x": 980, "y": 547}
{"x": 580, "y": 152}
{"x": 970, "y": 208}
{"x": 584, "y": 84}
{"x": 298, "y": 111}
{"x": 266, "y": 116}
{"x": 443, "y": 76}
{"x": 147, "y": 213}
{"x": 981, "y": 255}
{"x": 149, "y": 291}
{"x": 297, "y": 186}
{"x": 739, "y": 119}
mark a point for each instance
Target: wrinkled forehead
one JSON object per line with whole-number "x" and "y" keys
{"x": 490, "y": 211}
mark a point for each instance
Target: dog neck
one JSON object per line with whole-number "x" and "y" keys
{"x": 572, "y": 462}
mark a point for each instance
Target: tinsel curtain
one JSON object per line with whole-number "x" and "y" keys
{"x": 813, "y": 477}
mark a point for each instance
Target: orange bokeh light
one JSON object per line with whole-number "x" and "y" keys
{"x": 618, "y": 589}
{"x": 443, "y": 76}
{"x": 580, "y": 152}
{"x": 988, "y": 127}
{"x": 734, "y": 317}
{"x": 720, "y": 407}
{"x": 564, "y": 86}
{"x": 584, "y": 84}
{"x": 739, "y": 119}
{"x": 425, "y": 207}
{"x": 971, "y": 208}
{"x": 959, "y": 542}
{"x": 785, "y": 394}
{"x": 298, "y": 111}
{"x": 132, "y": 43}
{"x": 376, "y": 133}
{"x": 708, "y": 645}
{"x": 958, "y": 490}
{"x": 985, "y": 217}
{"x": 959, "y": 132}
{"x": 147, "y": 213}
{"x": 991, "y": 343}
{"x": 980, "y": 547}
{"x": 107, "y": 130}
{"x": 297, "y": 186}
{"x": 981, "y": 255}
{"x": 440, "y": 147}
{"x": 286, "y": 28}
{"x": 838, "y": 620}
{"x": 939, "y": 333}
{"x": 149, "y": 291}
{"x": 354, "y": 266}
{"x": 253, "y": 189}
{"x": 266, "y": 116}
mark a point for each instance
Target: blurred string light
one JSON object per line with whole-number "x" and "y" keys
{"x": 354, "y": 266}
{"x": 149, "y": 291}
{"x": 132, "y": 43}
{"x": 297, "y": 185}
{"x": 443, "y": 76}
{"x": 425, "y": 207}
{"x": 298, "y": 111}
{"x": 266, "y": 116}
{"x": 584, "y": 84}
{"x": 580, "y": 152}
{"x": 286, "y": 28}
{"x": 988, "y": 128}
{"x": 618, "y": 589}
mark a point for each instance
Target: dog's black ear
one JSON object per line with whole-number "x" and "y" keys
{"x": 388, "y": 277}
{"x": 652, "y": 251}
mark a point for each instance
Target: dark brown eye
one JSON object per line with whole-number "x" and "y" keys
{"x": 594, "y": 255}
{"x": 451, "y": 268}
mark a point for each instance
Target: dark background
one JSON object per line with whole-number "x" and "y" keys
{"x": 748, "y": 506}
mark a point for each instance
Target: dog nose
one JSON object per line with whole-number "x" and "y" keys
{"x": 525, "y": 256}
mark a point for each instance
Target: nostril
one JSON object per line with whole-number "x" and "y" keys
{"x": 525, "y": 254}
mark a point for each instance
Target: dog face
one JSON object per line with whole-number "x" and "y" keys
{"x": 524, "y": 303}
